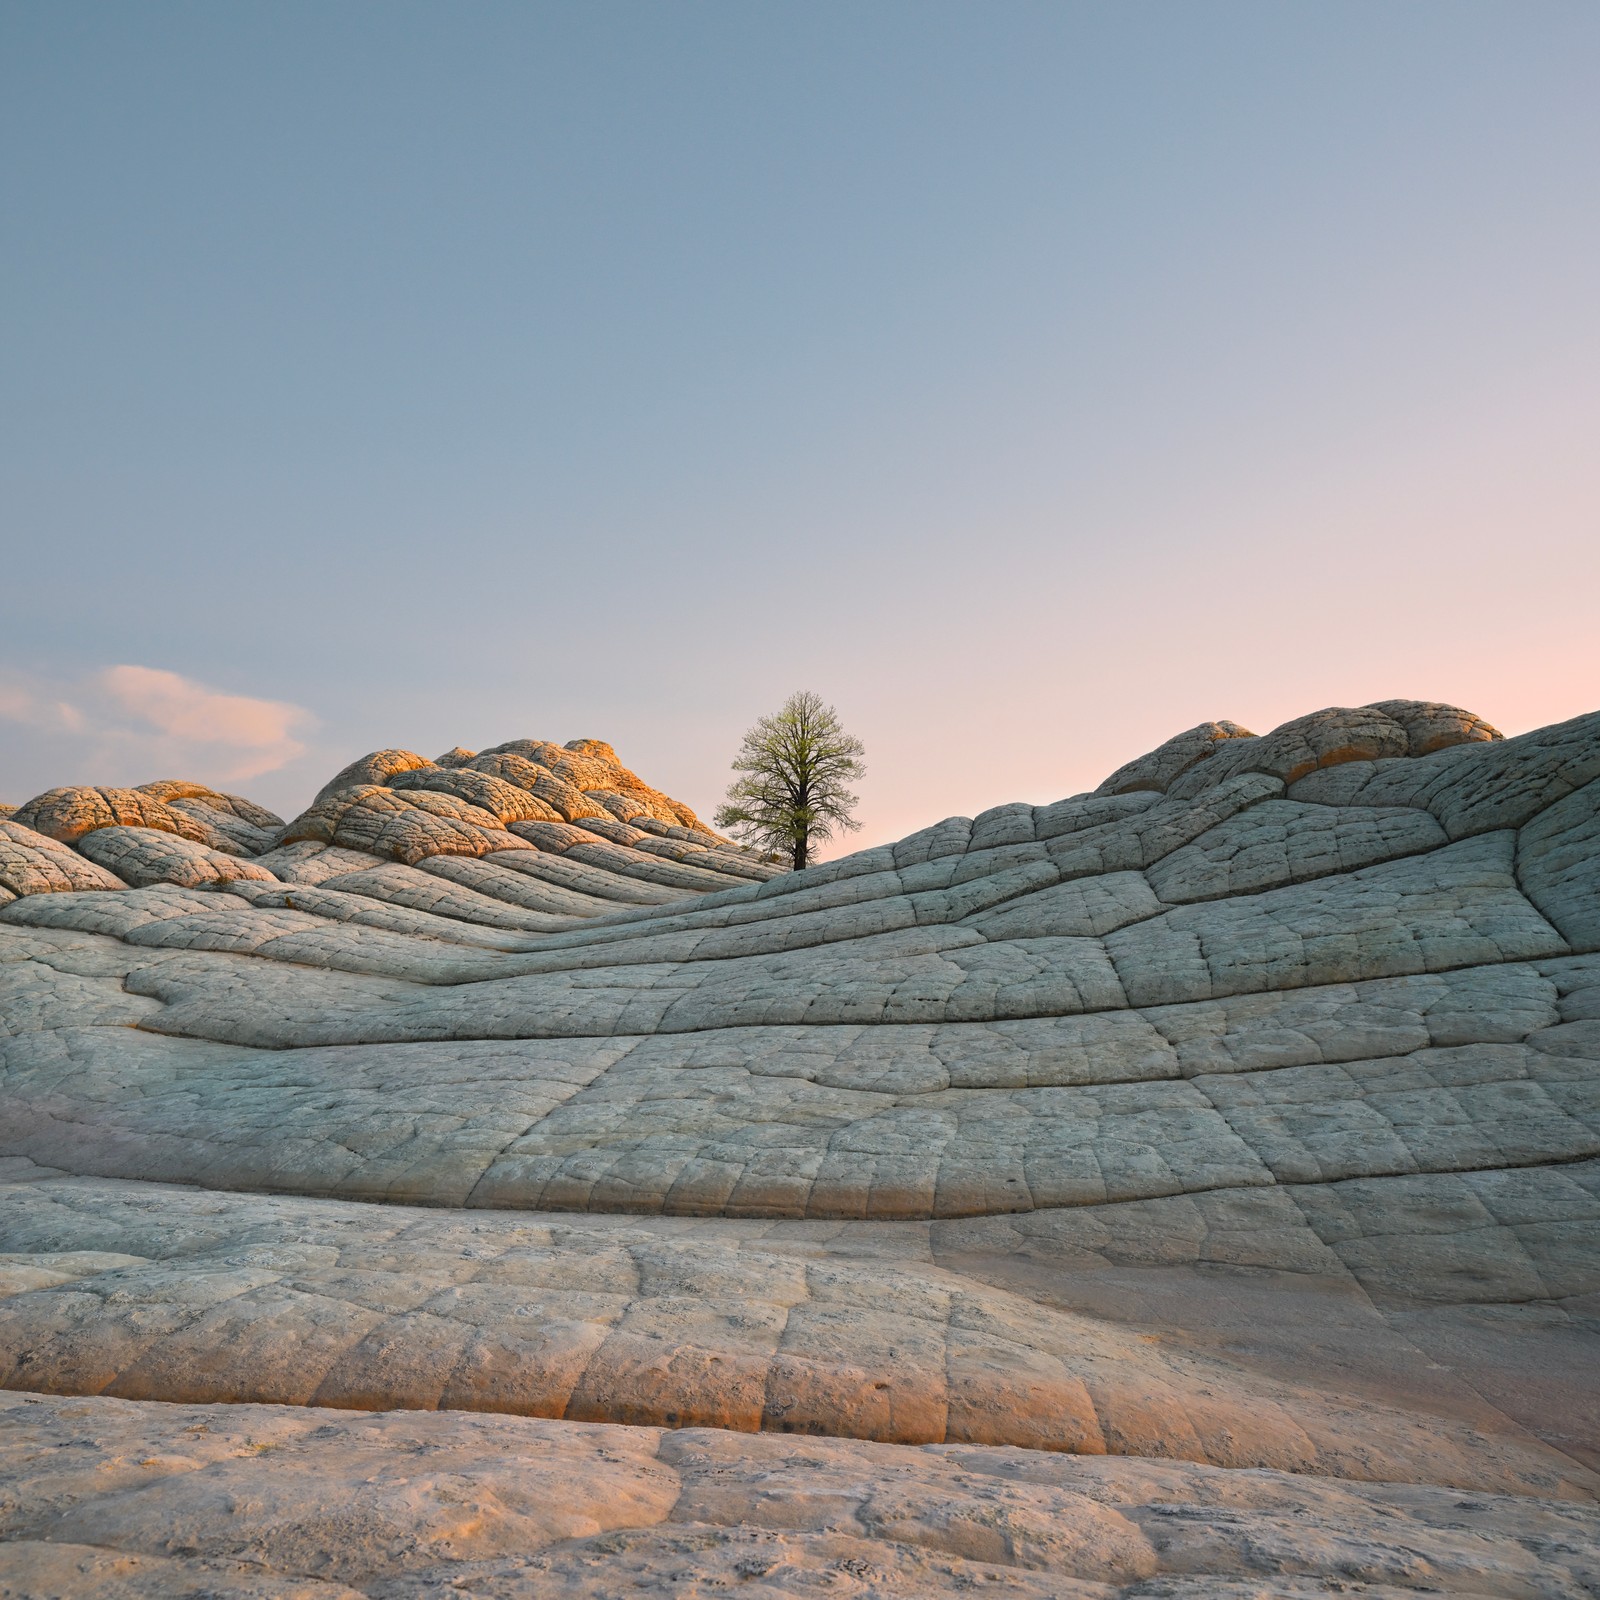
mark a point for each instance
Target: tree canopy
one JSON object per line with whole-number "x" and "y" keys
{"x": 795, "y": 770}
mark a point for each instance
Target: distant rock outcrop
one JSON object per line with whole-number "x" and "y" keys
{"x": 396, "y": 806}
{"x": 1239, "y": 1120}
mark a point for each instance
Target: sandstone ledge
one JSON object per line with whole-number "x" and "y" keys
{"x": 129, "y": 1500}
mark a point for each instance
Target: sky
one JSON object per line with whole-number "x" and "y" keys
{"x": 1032, "y": 381}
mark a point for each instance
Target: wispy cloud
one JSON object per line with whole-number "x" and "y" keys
{"x": 131, "y": 723}
{"x": 259, "y": 733}
{"x": 23, "y": 702}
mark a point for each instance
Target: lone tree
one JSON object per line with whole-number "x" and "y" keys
{"x": 795, "y": 770}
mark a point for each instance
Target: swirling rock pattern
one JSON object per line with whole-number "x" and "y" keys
{"x": 1183, "y": 1188}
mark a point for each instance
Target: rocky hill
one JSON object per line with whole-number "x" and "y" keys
{"x": 1185, "y": 1188}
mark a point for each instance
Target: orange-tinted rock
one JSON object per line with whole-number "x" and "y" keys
{"x": 1171, "y": 760}
{"x": 568, "y": 803}
{"x": 172, "y": 789}
{"x": 68, "y": 814}
{"x": 1430, "y": 725}
{"x": 406, "y": 827}
{"x": 33, "y": 863}
{"x": 504, "y": 801}
{"x": 375, "y": 768}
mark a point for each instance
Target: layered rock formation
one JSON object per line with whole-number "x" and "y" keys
{"x": 1173, "y": 1189}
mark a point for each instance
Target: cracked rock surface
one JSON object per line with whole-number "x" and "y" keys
{"x": 492, "y": 1182}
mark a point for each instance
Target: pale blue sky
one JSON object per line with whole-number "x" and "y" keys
{"x": 1030, "y": 380}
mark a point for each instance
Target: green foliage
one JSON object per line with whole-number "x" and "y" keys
{"x": 796, "y": 767}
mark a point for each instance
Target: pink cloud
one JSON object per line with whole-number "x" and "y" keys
{"x": 19, "y": 702}
{"x": 131, "y": 719}
{"x": 189, "y": 711}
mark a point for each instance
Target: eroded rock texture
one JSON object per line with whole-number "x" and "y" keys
{"x": 1186, "y": 1188}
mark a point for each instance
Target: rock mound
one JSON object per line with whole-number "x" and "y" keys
{"x": 393, "y": 806}
{"x": 1329, "y": 738}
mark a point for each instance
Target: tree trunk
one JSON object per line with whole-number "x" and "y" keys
{"x": 800, "y": 845}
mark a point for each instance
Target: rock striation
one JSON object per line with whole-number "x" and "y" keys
{"x": 1190, "y": 1187}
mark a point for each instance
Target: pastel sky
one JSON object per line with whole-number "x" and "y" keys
{"x": 1030, "y": 380}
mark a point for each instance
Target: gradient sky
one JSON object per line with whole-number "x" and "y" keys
{"x": 1032, "y": 381}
